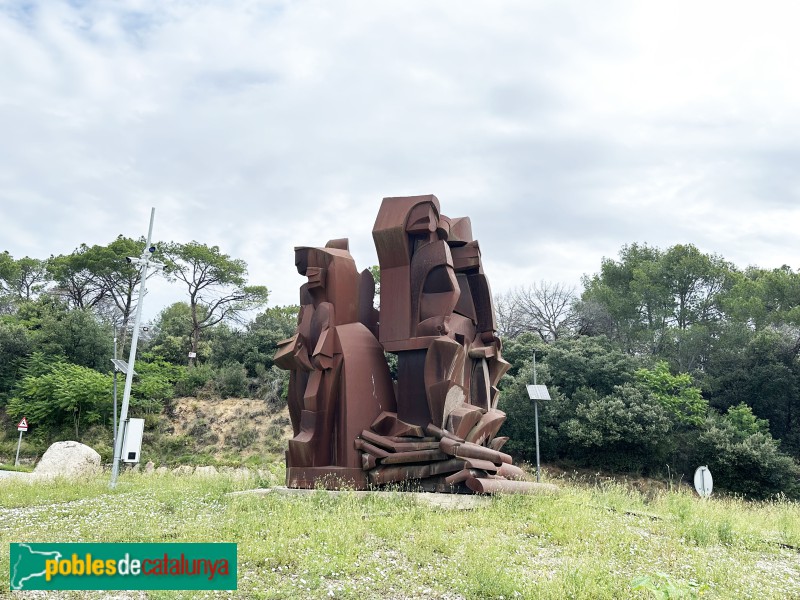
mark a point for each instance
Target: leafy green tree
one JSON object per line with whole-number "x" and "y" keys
{"x": 216, "y": 283}
{"x": 75, "y": 335}
{"x": 676, "y": 393}
{"x": 257, "y": 343}
{"x": 77, "y": 279}
{"x": 666, "y": 304}
{"x": 627, "y": 299}
{"x": 518, "y": 351}
{"x": 520, "y": 426}
{"x": 759, "y": 298}
{"x": 764, "y": 373}
{"x": 15, "y": 347}
{"x": 172, "y": 338}
{"x": 119, "y": 278}
{"x": 20, "y": 280}
{"x": 53, "y": 394}
{"x": 154, "y": 385}
{"x": 588, "y": 362}
{"x": 742, "y": 419}
{"x": 24, "y": 278}
{"x": 571, "y": 368}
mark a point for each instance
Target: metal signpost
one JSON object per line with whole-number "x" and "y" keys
{"x": 143, "y": 261}
{"x": 22, "y": 427}
{"x": 536, "y": 393}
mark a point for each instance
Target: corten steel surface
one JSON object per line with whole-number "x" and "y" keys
{"x": 435, "y": 426}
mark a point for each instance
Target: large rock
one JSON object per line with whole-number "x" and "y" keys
{"x": 68, "y": 459}
{"x": 209, "y": 471}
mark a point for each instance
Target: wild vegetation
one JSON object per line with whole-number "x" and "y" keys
{"x": 665, "y": 360}
{"x": 593, "y": 540}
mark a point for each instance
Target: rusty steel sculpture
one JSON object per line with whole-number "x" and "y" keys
{"x": 436, "y": 425}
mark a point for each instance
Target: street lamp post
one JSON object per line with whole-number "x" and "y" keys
{"x": 143, "y": 262}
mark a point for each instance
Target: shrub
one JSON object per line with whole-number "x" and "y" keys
{"x": 231, "y": 381}
{"x": 627, "y": 429}
{"x": 192, "y": 379}
{"x": 271, "y": 385}
{"x": 746, "y": 460}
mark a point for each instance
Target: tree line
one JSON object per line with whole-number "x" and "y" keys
{"x": 59, "y": 318}
{"x": 664, "y": 360}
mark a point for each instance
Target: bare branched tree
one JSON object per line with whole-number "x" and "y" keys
{"x": 544, "y": 308}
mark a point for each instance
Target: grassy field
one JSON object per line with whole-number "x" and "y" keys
{"x": 589, "y": 541}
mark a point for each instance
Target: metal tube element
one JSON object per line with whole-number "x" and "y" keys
{"x": 115, "y": 388}
{"x": 536, "y": 420}
{"x": 19, "y": 443}
{"x": 126, "y": 395}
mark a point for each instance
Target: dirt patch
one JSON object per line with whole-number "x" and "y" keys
{"x": 219, "y": 426}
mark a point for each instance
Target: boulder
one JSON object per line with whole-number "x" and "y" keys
{"x": 149, "y": 467}
{"x": 209, "y": 471}
{"x": 68, "y": 459}
{"x": 183, "y": 470}
{"x": 242, "y": 473}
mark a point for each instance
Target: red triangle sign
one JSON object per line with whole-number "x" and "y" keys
{"x": 23, "y": 425}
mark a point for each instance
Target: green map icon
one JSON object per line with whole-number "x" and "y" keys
{"x": 27, "y": 565}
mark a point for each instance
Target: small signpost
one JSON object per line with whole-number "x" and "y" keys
{"x": 22, "y": 427}
{"x": 536, "y": 393}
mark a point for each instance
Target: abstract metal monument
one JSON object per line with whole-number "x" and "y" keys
{"x": 436, "y": 426}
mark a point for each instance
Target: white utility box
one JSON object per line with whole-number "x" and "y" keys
{"x": 132, "y": 440}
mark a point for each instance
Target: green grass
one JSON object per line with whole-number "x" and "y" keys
{"x": 601, "y": 541}
{"x": 18, "y": 468}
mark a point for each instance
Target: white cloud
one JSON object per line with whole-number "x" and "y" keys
{"x": 564, "y": 130}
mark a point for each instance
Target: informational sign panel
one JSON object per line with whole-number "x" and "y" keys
{"x": 703, "y": 482}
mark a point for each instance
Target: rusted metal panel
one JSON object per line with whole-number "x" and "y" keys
{"x": 482, "y": 485}
{"x": 463, "y": 419}
{"x": 510, "y": 472}
{"x": 388, "y": 424}
{"x": 414, "y": 457}
{"x": 461, "y": 475}
{"x": 487, "y": 427}
{"x": 498, "y": 442}
{"x": 395, "y": 473}
{"x": 441, "y": 433}
{"x": 365, "y": 446}
{"x": 469, "y": 450}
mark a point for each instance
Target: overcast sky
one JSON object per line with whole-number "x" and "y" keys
{"x": 563, "y": 129}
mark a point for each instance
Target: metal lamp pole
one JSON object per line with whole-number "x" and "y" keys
{"x": 536, "y": 420}
{"x": 115, "y": 385}
{"x": 143, "y": 263}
